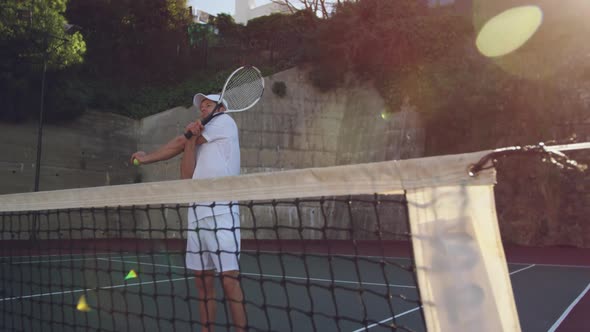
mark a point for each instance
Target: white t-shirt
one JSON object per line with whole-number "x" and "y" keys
{"x": 219, "y": 157}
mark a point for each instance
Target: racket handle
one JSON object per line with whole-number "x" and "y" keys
{"x": 189, "y": 134}
{"x": 206, "y": 120}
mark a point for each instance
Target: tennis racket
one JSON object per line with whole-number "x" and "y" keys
{"x": 242, "y": 90}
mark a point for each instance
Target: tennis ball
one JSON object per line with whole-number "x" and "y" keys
{"x": 135, "y": 162}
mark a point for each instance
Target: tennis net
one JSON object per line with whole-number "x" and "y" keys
{"x": 404, "y": 245}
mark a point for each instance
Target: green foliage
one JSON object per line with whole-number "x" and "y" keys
{"x": 66, "y": 98}
{"x": 229, "y": 31}
{"x": 148, "y": 100}
{"x": 138, "y": 59}
{"x": 373, "y": 37}
{"x": 134, "y": 40}
{"x": 202, "y": 35}
{"x": 265, "y": 26}
{"x": 37, "y": 31}
{"x": 282, "y": 35}
{"x": 33, "y": 33}
{"x": 427, "y": 56}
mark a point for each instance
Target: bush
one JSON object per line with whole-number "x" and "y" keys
{"x": 66, "y": 98}
{"x": 279, "y": 89}
{"x": 141, "y": 102}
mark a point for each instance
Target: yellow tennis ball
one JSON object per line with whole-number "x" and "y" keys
{"x": 135, "y": 162}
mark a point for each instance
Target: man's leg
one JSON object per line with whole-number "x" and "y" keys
{"x": 235, "y": 298}
{"x": 206, "y": 298}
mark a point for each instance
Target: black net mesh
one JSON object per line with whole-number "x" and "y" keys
{"x": 319, "y": 264}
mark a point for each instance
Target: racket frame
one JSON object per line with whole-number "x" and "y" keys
{"x": 211, "y": 115}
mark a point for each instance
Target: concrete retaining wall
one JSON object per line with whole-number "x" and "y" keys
{"x": 305, "y": 128}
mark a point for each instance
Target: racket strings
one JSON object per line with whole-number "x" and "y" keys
{"x": 244, "y": 89}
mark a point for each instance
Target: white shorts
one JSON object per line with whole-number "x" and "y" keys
{"x": 212, "y": 244}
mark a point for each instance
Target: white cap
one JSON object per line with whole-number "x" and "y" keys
{"x": 198, "y": 99}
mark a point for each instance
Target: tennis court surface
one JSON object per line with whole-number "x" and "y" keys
{"x": 292, "y": 292}
{"x": 409, "y": 246}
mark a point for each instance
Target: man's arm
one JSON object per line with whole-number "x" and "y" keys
{"x": 171, "y": 149}
{"x": 189, "y": 160}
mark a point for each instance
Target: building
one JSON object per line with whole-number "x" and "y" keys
{"x": 247, "y": 10}
{"x": 460, "y": 6}
{"x": 199, "y": 16}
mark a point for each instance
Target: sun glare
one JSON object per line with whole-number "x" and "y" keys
{"x": 508, "y": 31}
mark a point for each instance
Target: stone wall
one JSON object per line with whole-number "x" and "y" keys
{"x": 91, "y": 151}
{"x": 537, "y": 204}
{"x": 305, "y": 128}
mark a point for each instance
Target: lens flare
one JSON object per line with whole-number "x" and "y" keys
{"x": 508, "y": 31}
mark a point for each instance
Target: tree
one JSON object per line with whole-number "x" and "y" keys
{"x": 229, "y": 31}
{"x": 376, "y": 38}
{"x": 322, "y": 8}
{"x": 134, "y": 40}
{"x": 33, "y": 35}
{"x": 283, "y": 35}
{"x": 38, "y": 30}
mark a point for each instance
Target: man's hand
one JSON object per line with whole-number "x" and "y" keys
{"x": 140, "y": 156}
{"x": 196, "y": 128}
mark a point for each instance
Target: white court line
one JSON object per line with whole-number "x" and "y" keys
{"x": 186, "y": 278}
{"x": 144, "y": 263}
{"x": 275, "y": 252}
{"x": 278, "y": 276}
{"x": 51, "y": 261}
{"x": 322, "y": 254}
{"x": 329, "y": 280}
{"x": 555, "y": 265}
{"x": 387, "y": 320}
{"x": 56, "y": 255}
{"x": 568, "y": 310}
{"x": 390, "y": 318}
{"x": 244, "y": 273}
{"x": 77, "y": 259}
{"x": 524, "y": 268}
{"x": 404, "y": 258}
{"x": 90, "y": 289}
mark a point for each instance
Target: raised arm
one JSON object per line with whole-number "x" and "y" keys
{"x": 171, "y": 149}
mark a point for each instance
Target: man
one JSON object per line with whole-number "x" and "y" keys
{"x": 213, "y": 241}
